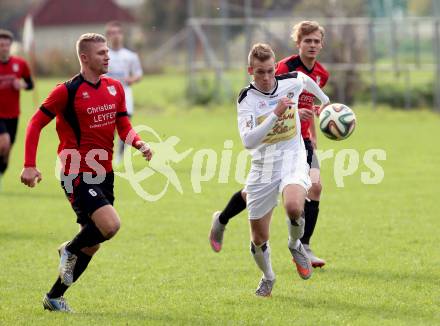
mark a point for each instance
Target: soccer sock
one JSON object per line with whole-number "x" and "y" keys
{"x": 261, "y": 256}
{"x": 59, "y": 288}
{"x": 296, "y": 230}
{"x": 87, "y": 237}
{"x": 311, "y": 211}
{"x": 235, "y": 206}
{"x": 81, "y": 264}
{"x": 3, "y": 165}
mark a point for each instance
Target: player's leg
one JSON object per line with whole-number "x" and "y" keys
{"x": 8, "y": 131}
{"x": 311, "y": 207}
{"x": 262, "y": 198}
{"x": 236, "y": 205}
{"x": 293, "y": 199}
{"x": 260, "y": 250}
{"x": 54, "y": 299}
{"x": 93, "y": 204}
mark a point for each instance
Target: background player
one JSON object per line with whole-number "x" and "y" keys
{"x": 308, "y": 37}
{"x": 124, "y": 66}
{"x": 88, "y": 108}
{"x": 14, "y": 76}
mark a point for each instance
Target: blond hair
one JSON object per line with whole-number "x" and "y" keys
{"x": 84, "y": 40}
{"x": 304, "y": 28}
{"x": 261, "y": 52}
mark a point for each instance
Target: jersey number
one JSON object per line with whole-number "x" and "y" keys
{"x": 93, "y": 192}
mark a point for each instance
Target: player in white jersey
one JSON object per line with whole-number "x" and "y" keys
{"x": 125, "y": 66}
{"x": 270, "y": 128}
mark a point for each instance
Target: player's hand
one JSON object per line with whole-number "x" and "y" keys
{"x": 30, "y": 176}
{"x": 317, "y": 110}
{"x": 144, "y": 149}
{"x": 305, "y": 114}
{"x": 282, "y": 106}
{"x": 17, "y": 84}
{"x": 5, "y": 144}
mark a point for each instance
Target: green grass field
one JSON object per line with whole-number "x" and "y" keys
{"x": 381, "y": 241}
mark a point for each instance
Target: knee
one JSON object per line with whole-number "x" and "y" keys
{"x": 258, "y": 238}
{"x": 294, "y": 210}
{"x": 111, "y": 229}
{"x": 315, "y": 191}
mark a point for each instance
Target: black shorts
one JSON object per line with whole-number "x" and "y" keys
{"x": 312, "y": 159}
{"x": 9, "y": 126}
{"x": 86, "y": 197}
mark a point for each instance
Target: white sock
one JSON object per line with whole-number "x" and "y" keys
{"x": 261, "y": 256}
{"x": 296, "y": 231}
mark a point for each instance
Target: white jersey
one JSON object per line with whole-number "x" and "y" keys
{"x": 123, "y": 64}
{"x": 269, "y": 138}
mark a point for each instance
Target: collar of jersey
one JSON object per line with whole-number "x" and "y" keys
{"x": 309, "y": 71}
{"x": 95, "y": 86}
{"x": 271, "y": 93}
{"x": 6, "y": 62}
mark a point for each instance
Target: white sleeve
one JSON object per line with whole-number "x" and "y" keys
{"x": 312, "y": 87}
{"x": 251, "y": 134}
{"x": 135, "y": 66}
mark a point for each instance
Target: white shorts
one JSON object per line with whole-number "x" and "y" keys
{"x": 262, "y": 197}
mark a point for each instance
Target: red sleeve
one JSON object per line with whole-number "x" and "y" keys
{"x": 26, "y": 73}
{"x": 38, "y": 121}
{"x": 56, "y": 101}
{"x": 122, "y": 105}
{"x": 125, "y": 130}
{"x": 52, "y": 105}
{"x": 281, "y": 68}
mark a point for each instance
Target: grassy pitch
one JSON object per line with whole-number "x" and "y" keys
{"x": 380, "y": 240}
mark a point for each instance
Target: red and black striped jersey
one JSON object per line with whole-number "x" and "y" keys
{"x": 318, "y": 73}
{"x": 87, "y": 116}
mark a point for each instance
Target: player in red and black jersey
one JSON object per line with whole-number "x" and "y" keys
{"x": 14, "y": 76}
{"x": 308, "y": 37}
{"x": 88, "y": 109}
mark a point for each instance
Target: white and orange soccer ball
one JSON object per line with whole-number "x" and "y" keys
{"x": 337, "y": 121}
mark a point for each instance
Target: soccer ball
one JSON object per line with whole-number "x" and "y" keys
{"x": 337, "y": 121}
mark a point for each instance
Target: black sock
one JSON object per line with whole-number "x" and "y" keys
{"x": 81, "y": 264}
{"x": 58, "y": 289}
{"x": 87, "y": 237}
{"x": 235, "y": 206}
{"x": 3, "y": 165}
{"x": 311, "y": 210}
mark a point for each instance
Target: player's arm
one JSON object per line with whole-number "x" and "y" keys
{"x": 135, "y": 71}
{"x": 126, "y": 132}
{"x": 26, "y": 81}
{"x": 129, "y": 135}
{"x": 251, "y": 134}
{"x": 312, "y": 87}
{"x": 53, "y": 104}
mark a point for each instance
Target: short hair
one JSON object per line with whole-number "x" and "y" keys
{"x": 304, "y": 28}
{"x": 85, "y": 39}
{"x": 4, "y": 33}
{"x": 113, "y": 23}
{"x": 261, "y": 52}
